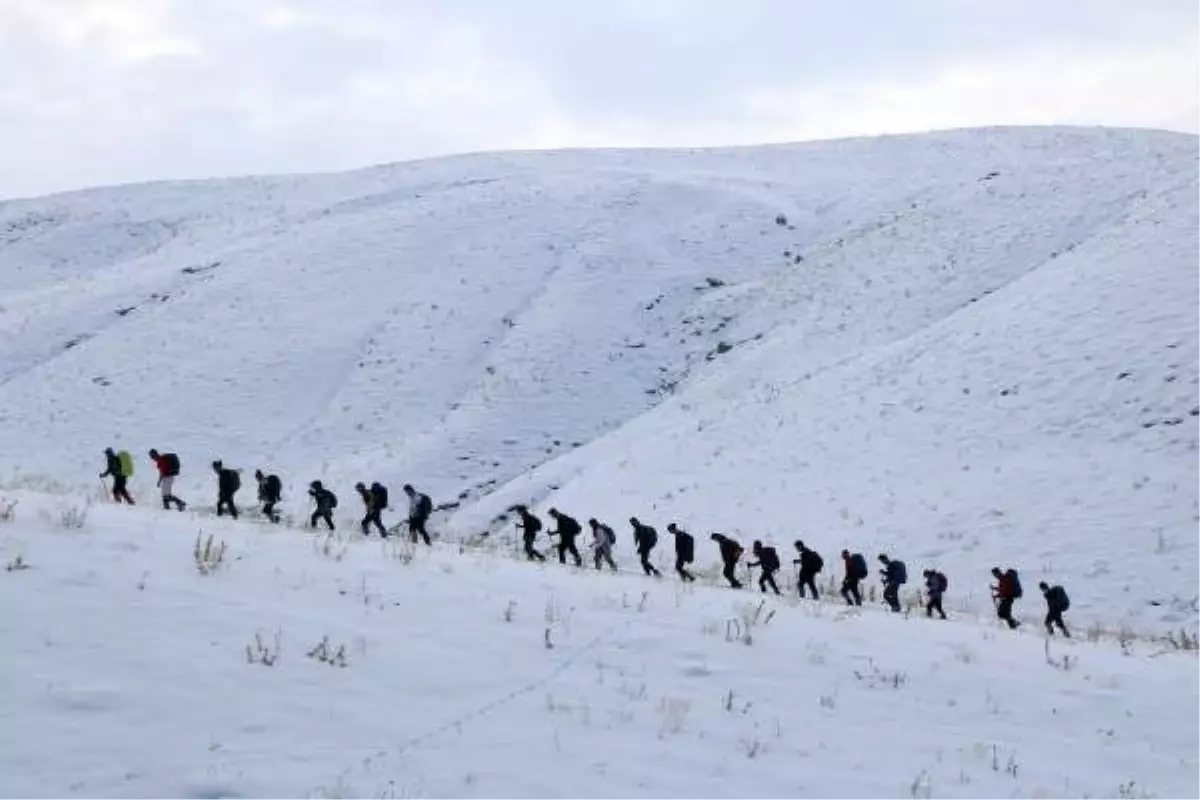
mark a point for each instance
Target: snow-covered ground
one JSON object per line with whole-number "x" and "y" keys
{"x": 967, "y": 349}
{"x": 128, "y": 673}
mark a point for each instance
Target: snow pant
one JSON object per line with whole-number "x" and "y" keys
{"x": 416, "y": 525}
{"x": 934, "y": 604}
{"x": 681, "y": 568}
{"x": 767, "y": 579}
{"x": 1004, "y": 611}
{"x": 225, "y": 502}
{"x": 322, "y": 513}
{"x": 269, "y": 510}
{"x": 119, "y": 491}
{"x": 728, "y": 572}
{"x": 568, "y": 546}
{"x": 373, "y": 518}
{"x": 850, "y": 592}
{"x": 604, "y": 556}
{"x": 891, "y": 595}
{"x": 647, "y": 567}
{"x": 167, "y": 485}
{"x": 1054, "y": 617}
{"x": 808, "y": 579}
{"x": 530, "y": 553}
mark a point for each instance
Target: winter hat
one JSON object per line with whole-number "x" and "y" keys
{"x": 408, "y": 489}
{"x": 798, "y": 544}
{"x": 553, "y": 512}
{"x": 360, "y": 486}
{"x": 1042, "y": 585}
{"x": 217, "y": 464}
{"x": 153, "y": 453}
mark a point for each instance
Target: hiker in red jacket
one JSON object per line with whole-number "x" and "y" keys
{"x": 1006, "y": 590}
{"x": 168, "y": 470}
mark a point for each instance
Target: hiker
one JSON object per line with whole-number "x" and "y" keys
{"x": 326, "y": 502}
{"x": 375, "y": 501}
{"x": 810, "y": 564}
{"x": 603, "y": 540}
{"x": 168, "y": 470}
{"x": 685, "y": 551}
{"x": 768, "y": 562}
{"x": 935, "y": 586}
{"x": 645, "y": 537}
{"x": 893, "y": 574}
{"x": 1006, "y": 591}
{"x": 529, "y": 525}
{"x": 419, "y": 509}
{"x": 1056, "y": 603}
{"x": 228, "y": 482}
{"x": 120, "y": 467}
{"x": 566, "y": 531}
{"x": 270, "y": 492}
{"x": 855, "y": 571}
{"x": 731, "y": 551}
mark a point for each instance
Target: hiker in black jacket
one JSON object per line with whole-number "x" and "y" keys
{"x": 1056, "y": 603}
{"x": 935, "y": 586}
{"x": 893, "y": 574}
{"x": 528, "y": 525}
{"x": 228, "y": 482}
{"x": 603, "y": 540}
{"x": 113, "y": 467}
{"x": 270, "y": 492}
{"x": 855, "y": 567}
{"x": 374, "y": 501}
{"x": 566, "y": 530}
{"x": 645, "y": 537}
{"x": 731, "y": 551}
{"x": 810, "y": 564}
{"x": 326, "y": 502}
{"x": 420, "y": 507}
{"x": 685, "y": 551}
{"x": 768, "y": 562}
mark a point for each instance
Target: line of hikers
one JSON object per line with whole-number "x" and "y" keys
{"x": 893, "y": 575}
{"x": 119, "y": 466}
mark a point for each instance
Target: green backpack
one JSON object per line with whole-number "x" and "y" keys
{"x": 126, "y": 462}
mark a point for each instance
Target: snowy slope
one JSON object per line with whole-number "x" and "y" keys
{"x": 967, "y": 348}
{"x": 127, "y": 673}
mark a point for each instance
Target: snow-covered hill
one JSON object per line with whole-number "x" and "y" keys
{"x": 966, "y": 348}
{"x": 129, "y": 673}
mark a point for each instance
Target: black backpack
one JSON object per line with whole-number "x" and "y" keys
{"x": 1014, "y": 580}
{"x": 332, "y": 498}
{"x": 232, "y": 479}
{"x": 858, "y": 566}
{"x": 648, "y": 536}
{"x": 769, "y": 559}
{"x": 898, "y": 571}
{"x": 941, "y": 581}
{"x": 530, "y": 524}
{"x": 811, "y": 561}
{"x": 380, "y": 495}
{"x": 172, "y": 462}
{"x": 274, "y": 486}
{"x": 424, "y": 506}
{"x": 1058, "y": 597}
{"x": 685, "y": 546}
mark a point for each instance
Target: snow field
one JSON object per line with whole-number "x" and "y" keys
{"x": 467, "y": 674}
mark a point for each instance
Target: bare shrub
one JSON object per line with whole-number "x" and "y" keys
{"x": 325, "y": 653}
{"x": 16, "y": 565}
{"x": 8, "y": 510}
{"x": 207, "y": 557}
{"x": 258, "y": 653}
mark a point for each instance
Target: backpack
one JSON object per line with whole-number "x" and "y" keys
{"x": 126, "y": 462}
{"x": 332, "y": 498}
{"x": 424, "y": 506}
{"x": 649, "y": 537}
{"x": 818, "y": 563}
{"x": 858, "y": 566}
{"x": 171, "y": 461}
{"x": 1059, "y": 595}
{"x": 686, "y": 546}
{"x": 899, "y": 572}
{"x": 380, "y": 495}
{"x": 941, "y": 581}
{"x": 235, "y": 480}
{"x": 608, "y": 534}
{"x": 1014, "y": 583}
{"x": 769, "y": 559}
{"x": 274, "y": 486}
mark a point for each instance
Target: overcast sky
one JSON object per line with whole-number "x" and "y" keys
{"x": 113, "y": 91}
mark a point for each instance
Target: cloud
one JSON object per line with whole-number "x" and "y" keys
{"x": 103, "y": 91}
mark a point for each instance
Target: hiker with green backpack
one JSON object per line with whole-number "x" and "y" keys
{"x": 120, "y": 467}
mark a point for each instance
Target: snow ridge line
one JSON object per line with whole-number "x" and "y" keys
{"x": 486, "y": 708}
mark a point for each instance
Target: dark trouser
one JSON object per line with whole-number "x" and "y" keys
{"x": 568, "y": 546}
{"x": 768, "y": 579}
{"x": 1004, "y": 611}
{"x": 372, "y": 518}
{"x": 934, "y": 604}
{"x": 681, "y": 568}
{"x": 269, "y": 510}
{"x": 416, "y": 525}
{"x": 119, "y": 491}
{"x": 225, "y": 501}
{"x": 850, "y": 592}
{"x": 728, "y": 572}
{"x": 1055, "y": 618}
{"x": 647, "y": 567}
{"x": 605, "y": 556}
{"x": 530, "y": 553}
{"x": 808, "y": 579}
{"x": 891, "y": 595}
{"x": 322, "y": 513}
{"x": 169, "y": 499}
